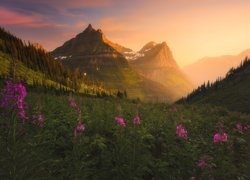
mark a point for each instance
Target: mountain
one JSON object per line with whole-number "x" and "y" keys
{"x": 210, "y": 68}
{"x": 233, "y": 91}
{"x": 32, "y": 64}
{"x": 157, "y": 63}
{"x": 103, "y": 61}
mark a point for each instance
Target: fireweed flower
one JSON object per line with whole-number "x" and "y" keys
{"x": 181, "y": 131}
{"x": 242, "y": 128}
{"x": 79, "y": 129}
{"x": 224, "y": 137}
{"x": 217, "y": 137}
{"x": 137, "y": 120}
{"x": 73, "y": 103}
{"x": 202, "y": 164}
{"x": 239, "y": 127}
{"x": 38, "y": 119}
{"x": 220, "y": 137}
{"x": 120, "y": 121}
{"x": 13, "y": 98}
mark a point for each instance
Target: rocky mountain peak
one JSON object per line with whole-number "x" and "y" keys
{"x": 89, "y": 28}
{"x": 148, "y": 46}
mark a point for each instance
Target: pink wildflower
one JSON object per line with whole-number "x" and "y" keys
{"x": 137, "y": 120}
{"x": 217, "y": 137}
{"x": 181, "y": 131}
{"x": 120, "y": 121}
{"x": 202, "y": 164}
{"x": 38, "y": 119}
{"x": 79, "y": 129}
{"x": 239, "y": 127}
{"x": 224, "y": 137}
{"x": 220, "y": 137}
{"x": 73, "y": 103}
{"x": 13, "y": 97}
{"x": 246, "y": 127}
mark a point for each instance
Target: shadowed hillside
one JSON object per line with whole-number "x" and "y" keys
{"x": 232, "y": 92}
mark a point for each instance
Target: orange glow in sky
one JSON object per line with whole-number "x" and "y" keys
{"x": 192, "y": 28}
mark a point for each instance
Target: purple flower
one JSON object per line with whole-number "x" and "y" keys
{"x": 137, "y": 120}
{"x": 220, "y": 137}
{"x": 239, "y": 127}
{"x": 181, "y": 131}
{"x": 38, "y": 119}
{"x": 13, "y": 98}
{"x": 224, "y": 137}
{"x": 217, "y": 137}
{"x": 73, "y": 103}
{"x": 202, "y": 164}
{"x": 79, "y": 129}
{"x": 120, "y": 121}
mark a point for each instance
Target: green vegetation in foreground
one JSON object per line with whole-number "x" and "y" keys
{"x": 106, "y": 150}
{"x": 232, "y": 92}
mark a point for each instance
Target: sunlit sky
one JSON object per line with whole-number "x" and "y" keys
{"x": 192, "y": 28}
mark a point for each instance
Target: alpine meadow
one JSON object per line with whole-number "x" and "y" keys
{"x": 103, "y": 101}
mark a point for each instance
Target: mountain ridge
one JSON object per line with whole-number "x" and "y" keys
{"x": 97, "y": 57}
{"x": 211, "y": 68}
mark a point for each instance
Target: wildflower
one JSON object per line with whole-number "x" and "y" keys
{"x": 202, "y": 164}
{"x": 73, "y": 103}
{"x": 39, "y": 119}
{"x": 220, "y": 137}
{"x": 79, "y": 129}
{"x": 224, "y": 137}
{"x": 217, "y": 137}
{"x": 137, "y": 120}
{"x": 181, "y": 131}
{"x": 13, "y": 98}
{"x": 239, "y": 127}
{"x": 120, "y": 121}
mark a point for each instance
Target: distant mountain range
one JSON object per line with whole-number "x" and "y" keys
{"x": 233, "y": 91}
{"x": 150, "y": 74}
{"x": 210, "y": 68}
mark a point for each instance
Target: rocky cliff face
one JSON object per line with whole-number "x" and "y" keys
{"x": 102, "y": 60}
{"x": 89, "y": 42}
{"x": 157, "y": 63}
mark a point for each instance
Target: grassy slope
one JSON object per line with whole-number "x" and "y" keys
{"x": 122, "y": 77}
{"x": 30, "y": 75}
{"x": 24, "y": 72}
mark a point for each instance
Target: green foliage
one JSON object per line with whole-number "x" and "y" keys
{"x": 107, "y": 151}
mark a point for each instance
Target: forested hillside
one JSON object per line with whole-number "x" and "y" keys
{"x": 233, "y": 91}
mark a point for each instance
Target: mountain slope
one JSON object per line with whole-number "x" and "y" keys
{"x": 31, "y": 63}
{"x": 232, "y": 92}
{"x": 157, "y": 63}
{"x": 101, "y": 60}
{"x": 210, "y": 68}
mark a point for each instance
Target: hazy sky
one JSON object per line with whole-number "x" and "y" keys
{"x": 192, "y": 28}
